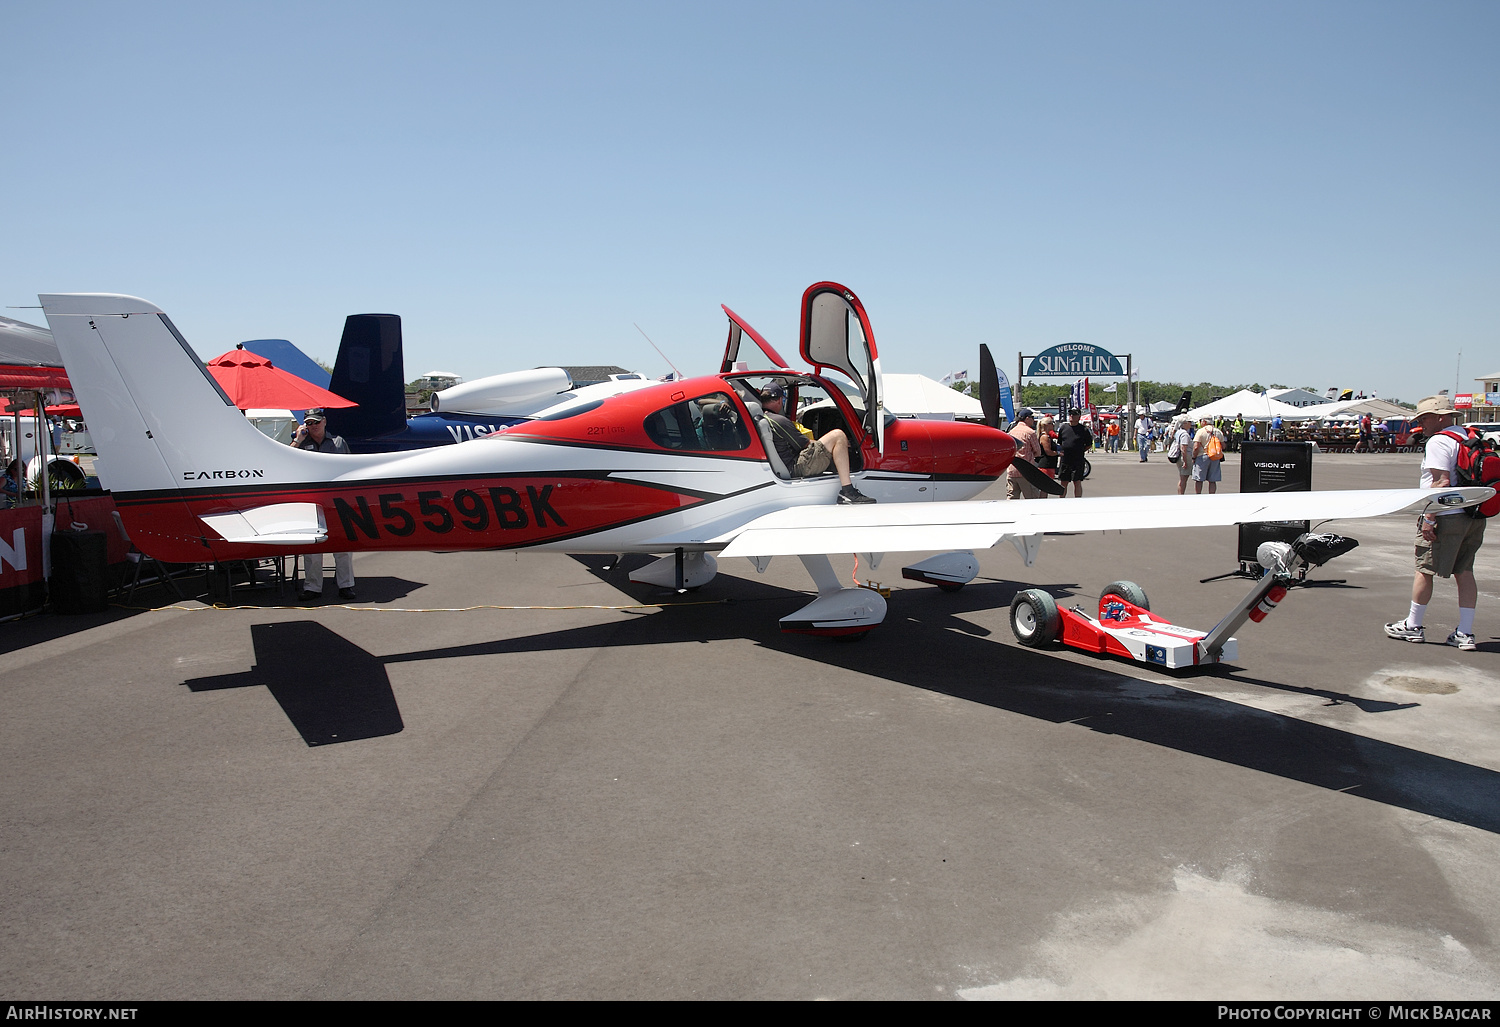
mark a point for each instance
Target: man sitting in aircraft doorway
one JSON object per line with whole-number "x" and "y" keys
{"x": 803, "y": 458}
{"x": 313, "y": 435}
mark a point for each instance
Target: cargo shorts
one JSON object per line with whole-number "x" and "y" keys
{"x": 812, "y": 460}
{"x": 1459, "y": 537}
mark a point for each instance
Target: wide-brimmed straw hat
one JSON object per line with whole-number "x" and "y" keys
{"x": 1438, "y": 404}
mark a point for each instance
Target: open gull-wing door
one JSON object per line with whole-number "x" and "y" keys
{"x": 836, "y": 334}
{"x": 739, "y": 328}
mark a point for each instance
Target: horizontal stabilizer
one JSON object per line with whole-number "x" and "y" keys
{"x": 295, "y": 524}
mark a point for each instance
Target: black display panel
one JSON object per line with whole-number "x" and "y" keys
{"x": 1273, "y": 467}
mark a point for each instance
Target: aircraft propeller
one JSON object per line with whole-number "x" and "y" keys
{"x": 989, "y": 387}
{"x": 989, "y": 401}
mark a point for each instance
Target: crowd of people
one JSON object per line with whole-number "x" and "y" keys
{"x": 1060, "y": 452}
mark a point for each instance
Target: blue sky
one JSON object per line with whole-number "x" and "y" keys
{"x": 1291, "y": 192}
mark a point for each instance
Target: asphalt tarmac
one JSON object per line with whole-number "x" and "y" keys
{"x": 686, "y": 803}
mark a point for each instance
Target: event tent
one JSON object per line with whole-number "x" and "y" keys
{"x": 1256, "y": 406}
{"x": 1379, "y": 409}
{"x": 917, "y": 394}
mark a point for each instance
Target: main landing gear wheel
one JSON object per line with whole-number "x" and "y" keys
{"x": 1034, "y": 618}
{"x": 1128, "y": 591}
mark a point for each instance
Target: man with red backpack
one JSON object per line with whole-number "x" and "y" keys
{"x": 1447, "y": 541}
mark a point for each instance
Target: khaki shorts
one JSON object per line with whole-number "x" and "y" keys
{"x": 1459, "y": 537}
{"x": 1017, "y": 487}
{"x": 812, "y": 460}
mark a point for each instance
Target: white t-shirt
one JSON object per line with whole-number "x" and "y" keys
{"x": 1184, "y": 440}
{"x": 1441, "y": 454}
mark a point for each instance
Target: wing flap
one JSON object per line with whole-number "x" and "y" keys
{"x": 279, "y": 524}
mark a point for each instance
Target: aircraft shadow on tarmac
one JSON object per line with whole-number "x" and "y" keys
{"x": 330, "y": 689}
{"x": 334, "y": 691}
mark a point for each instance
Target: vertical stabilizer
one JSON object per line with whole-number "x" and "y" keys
{"x": 157, "y": 416}
{"x": 370, "y": 371}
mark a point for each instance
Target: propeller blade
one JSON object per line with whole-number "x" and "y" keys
{"x": 1038, "y": 477}
{"x": 989, "y": 387}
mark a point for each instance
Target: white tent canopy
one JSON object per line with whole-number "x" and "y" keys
{"x": 1379, "y": 409}
{"x": 1256, "y": 406}
{"x": 919, "y": 395}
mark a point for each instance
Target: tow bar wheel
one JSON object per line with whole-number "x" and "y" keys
{"x": 1034, "y": 618}
{"x": 1129, "y": 591}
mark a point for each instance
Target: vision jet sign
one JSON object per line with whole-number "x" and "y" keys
{"x": 1075, "y": 360}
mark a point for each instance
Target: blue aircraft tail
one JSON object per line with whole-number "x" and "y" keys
{"x": 370, "y": 371}
{"x": 290, "y": 359}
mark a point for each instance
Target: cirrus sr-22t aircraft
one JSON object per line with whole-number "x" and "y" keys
{"x": 684, "y": 470}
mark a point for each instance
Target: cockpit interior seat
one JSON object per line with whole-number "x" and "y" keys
{"x": 763, "y": 428}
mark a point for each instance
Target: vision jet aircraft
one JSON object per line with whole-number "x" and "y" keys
{"x": 684, "y": 470}
{"x": 370, "y": 370}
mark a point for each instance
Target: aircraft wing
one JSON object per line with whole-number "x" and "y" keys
{"x": 920, "y": 527}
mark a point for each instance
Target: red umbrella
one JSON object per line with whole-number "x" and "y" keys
{"x": 253, "y": 382}
{"x": 61, "y": 410}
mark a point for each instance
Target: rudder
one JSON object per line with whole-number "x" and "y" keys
{"x": 370, "y": 371}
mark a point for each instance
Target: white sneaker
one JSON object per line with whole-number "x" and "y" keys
{"x": 1405, "y": 632}
{"x": 1462, "y": 641}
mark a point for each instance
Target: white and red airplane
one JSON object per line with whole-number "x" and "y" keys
{"x": 684, "y": 470}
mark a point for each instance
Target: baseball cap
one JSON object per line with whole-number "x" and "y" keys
{"x": 313, "y": 417}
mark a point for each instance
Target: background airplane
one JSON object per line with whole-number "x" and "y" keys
{"x": 370, "y": 370}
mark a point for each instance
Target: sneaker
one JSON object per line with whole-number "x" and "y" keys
{"x": 1405, "y": 632}
{"x": 346, "y": 593}
{"x": 1463, "y": 641}
{"x": 849, "y": 495}
{"x": 308, "y": 597}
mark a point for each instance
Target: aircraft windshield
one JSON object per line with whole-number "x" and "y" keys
{"x": 711, "y": 423}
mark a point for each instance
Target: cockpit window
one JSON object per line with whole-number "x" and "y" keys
{"x": 709, "y": 423}
{"x": 563, "y": 413}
